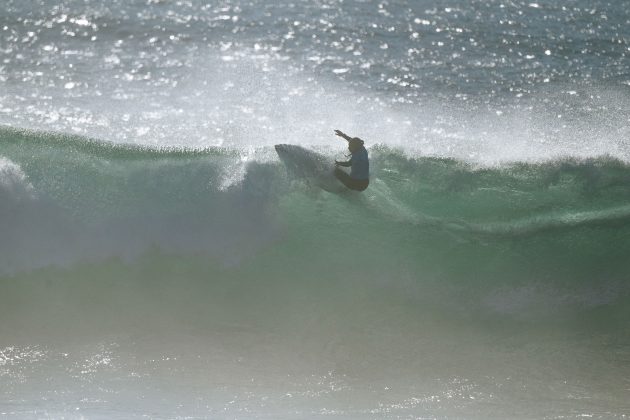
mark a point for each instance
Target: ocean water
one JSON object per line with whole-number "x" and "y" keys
{"x": 158, "y": 260}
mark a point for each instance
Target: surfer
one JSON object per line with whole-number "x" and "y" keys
{"x": 359, "y": 177}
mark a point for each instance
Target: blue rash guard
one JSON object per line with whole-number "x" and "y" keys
{"x": 360, "y": 168}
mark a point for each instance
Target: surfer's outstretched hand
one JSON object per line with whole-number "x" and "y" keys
{"x": 341, "y": 134}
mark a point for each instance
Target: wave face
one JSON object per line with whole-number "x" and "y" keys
{"x": 547, "y": 236}
{"x": 247, "y": 289}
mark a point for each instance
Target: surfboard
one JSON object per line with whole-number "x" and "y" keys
{"x": 311, "y": 166}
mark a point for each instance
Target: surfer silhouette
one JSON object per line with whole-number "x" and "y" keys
{"x": 359, "y": 164}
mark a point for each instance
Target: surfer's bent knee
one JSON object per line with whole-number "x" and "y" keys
{"x": 348, "y": 181}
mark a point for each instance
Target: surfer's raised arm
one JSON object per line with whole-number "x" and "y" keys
{"x": 347, "y": 138}
{"x": 342, "y": 135}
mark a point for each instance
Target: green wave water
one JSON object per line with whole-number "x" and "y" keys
{"x": 222, "y": 272}
{"x": 561, "y": 224}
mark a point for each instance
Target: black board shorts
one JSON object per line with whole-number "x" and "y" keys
{"x": 348, "y": 181}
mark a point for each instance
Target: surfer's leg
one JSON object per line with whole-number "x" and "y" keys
{"x": 353, "y": 184}
{"x": 343, "y": 177}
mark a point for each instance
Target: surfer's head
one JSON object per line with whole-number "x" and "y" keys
{"x": 354, "y": 144}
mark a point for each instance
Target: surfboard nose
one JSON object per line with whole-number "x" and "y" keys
{"x": 285, "y": 150}
{"x": 281, "y": 148}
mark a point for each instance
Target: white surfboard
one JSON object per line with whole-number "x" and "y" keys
{"x": 311, "y": 166}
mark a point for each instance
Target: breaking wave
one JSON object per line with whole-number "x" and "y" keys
{"x": 521, "y": 239}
